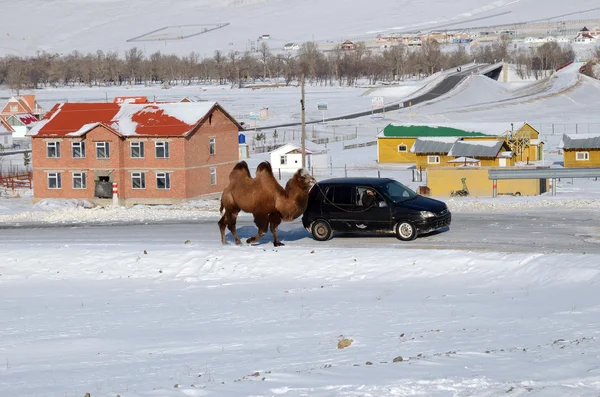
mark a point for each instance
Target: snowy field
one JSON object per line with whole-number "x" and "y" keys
{"x": 91, "y": 25}
{"x": 165, "y": 310}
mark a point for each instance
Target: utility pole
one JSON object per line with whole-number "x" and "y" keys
{"x": 303, "y": 123}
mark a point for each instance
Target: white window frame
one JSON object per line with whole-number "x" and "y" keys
{"x": 167, "y": 177}
{"x": 138, "y": 145}
{"x": 53, "y": 145}
{"x": 104, "y": 145}
{"x": 82, "y": 177}
{"x": 14, "y": 108}
{"x": 405, "y": 148}
{"x": 212, "y": 145}
{"x": 213, "y": 176}
{"x": 142, "y": 177}
{"x": 58, "y": 179}
{"x": 164, "y": 145}
{"x": 436, "y": 159}
{"x": 586, "y": 156}
{"x": 283, "y": 160}
{"x": 81, "y": 145}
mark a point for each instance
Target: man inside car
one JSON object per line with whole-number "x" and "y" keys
{"x": 369, "y": 199}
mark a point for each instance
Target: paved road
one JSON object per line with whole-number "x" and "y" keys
{"x": 566, "y": 231}
{"x": 447, "y": 84}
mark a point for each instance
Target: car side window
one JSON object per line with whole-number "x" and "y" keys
{"x": 343, "y": 195}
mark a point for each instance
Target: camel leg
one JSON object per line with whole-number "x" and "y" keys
{"x": 274, "y": 221}
{"x": 222, "y": 226}
{"x": 229, "y": 220}
{"x": 262, "y": 223}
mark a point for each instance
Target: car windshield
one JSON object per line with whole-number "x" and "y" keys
{"x": 397, "y": 192}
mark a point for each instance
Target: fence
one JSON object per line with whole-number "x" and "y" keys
{"x": 16, "y": 181}
{"x": 357, "y": 145}
{"x": 560, "y": 128}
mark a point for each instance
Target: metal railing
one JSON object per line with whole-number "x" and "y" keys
{"x": 541, "y": 173}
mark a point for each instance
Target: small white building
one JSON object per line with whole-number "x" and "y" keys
{"x": 291, "y": 47}
{"x": 288, "y": 158}
{"x": 6, "y": 138}
{"x": 21, "y": 123}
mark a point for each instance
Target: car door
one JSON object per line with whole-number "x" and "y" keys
{"x": 372, "y": 218}
{"x": 338, "y": 207}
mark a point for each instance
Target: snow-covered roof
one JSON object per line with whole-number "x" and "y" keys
{"x": 150, "y": 119}
{"x": 464, "y": 160}
{"x": 310, "y": 147}
{"x": 476, "y": 148}
{"x": 580, "y": 141}
{"x": 25, "y": 118}
{"x": 440, "y": 144}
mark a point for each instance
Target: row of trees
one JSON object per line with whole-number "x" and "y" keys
{"x": 339, "y": 66}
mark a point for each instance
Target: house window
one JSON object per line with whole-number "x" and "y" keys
{"x": 433, "y": 159}
{"x": 582, "y": 156}
{"x": 79, "y": 180}
{"x": 14, "y": 108}
{"x": 162, "y": 149}
{"x": 138, "y": 180}
{"x": 15, "y": 122}
{"x": 102, "y": 150}
{"x": 402, "y": 148}
{"x": 53, "y": 150}
{"x": 211, "y": 146}
{"x": 137, "y": 150}
{"x": 78, "y": 150}
{"x": 54, "y": 180}
{"x": 283, "y": 160}
{"x": 163, "y": 180}
{"x": 213, "y": 176}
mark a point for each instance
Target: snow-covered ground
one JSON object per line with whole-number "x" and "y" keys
{"x": 91, "y": 25}
{"x": 167, "y": 311}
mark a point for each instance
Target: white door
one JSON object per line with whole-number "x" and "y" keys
{"x": 502, "y": 162}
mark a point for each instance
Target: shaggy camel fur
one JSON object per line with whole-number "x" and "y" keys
{"x": 264, "y": 198}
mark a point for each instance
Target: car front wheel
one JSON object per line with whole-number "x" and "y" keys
{"x": 406, "y": 231}
{"x": 321, "y": 230}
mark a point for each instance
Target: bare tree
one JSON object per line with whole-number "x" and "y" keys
{"x": 133, "y": 63}
{"x": 431, "y": 56}
{"x": 265, "y": 56}
{"x": 16, "y": 77}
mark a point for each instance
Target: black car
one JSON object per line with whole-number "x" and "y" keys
{"x": 340, "y": 204}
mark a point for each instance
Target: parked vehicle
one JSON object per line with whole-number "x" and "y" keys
{"x": 337, "y": 205}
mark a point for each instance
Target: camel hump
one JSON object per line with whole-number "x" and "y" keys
{"x": 265, "y": 166}
{"x": 241, "y": 166}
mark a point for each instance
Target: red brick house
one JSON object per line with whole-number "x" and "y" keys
{"x": 22, "y": 104}
{"x": 157, "y": 153}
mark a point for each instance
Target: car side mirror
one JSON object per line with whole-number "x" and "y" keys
{"x": 382, "y": 204}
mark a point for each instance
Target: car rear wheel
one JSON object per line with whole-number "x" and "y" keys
{"x": 406, "y": 231}
{"x": 321, "y": 230}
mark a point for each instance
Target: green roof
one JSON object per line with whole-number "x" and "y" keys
{"x": 417, "y": 131}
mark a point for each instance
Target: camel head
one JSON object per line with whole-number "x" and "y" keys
{"x": 303, "y": 180}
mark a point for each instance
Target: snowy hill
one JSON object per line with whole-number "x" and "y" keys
{"x": 62, "y": 26}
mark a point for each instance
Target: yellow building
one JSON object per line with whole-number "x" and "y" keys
{"x": 525, "y": 142}
{"x": 474, "y": 182}
{"x": 432, "y": 151}
{"x": 581, "y": 150}
{"x": 395, "y": 141}
{"x": 490, "y": 153}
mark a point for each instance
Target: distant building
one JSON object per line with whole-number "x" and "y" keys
{"x": 348, "y": 45}
{"x": 21, "y": 123}
{"x": 584, "y": 36}
{"x": 22, "y": 104}
{"x": 580, "y": 150}
{"x": 6, "y": 138}
{"x": 291, "y": 47}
